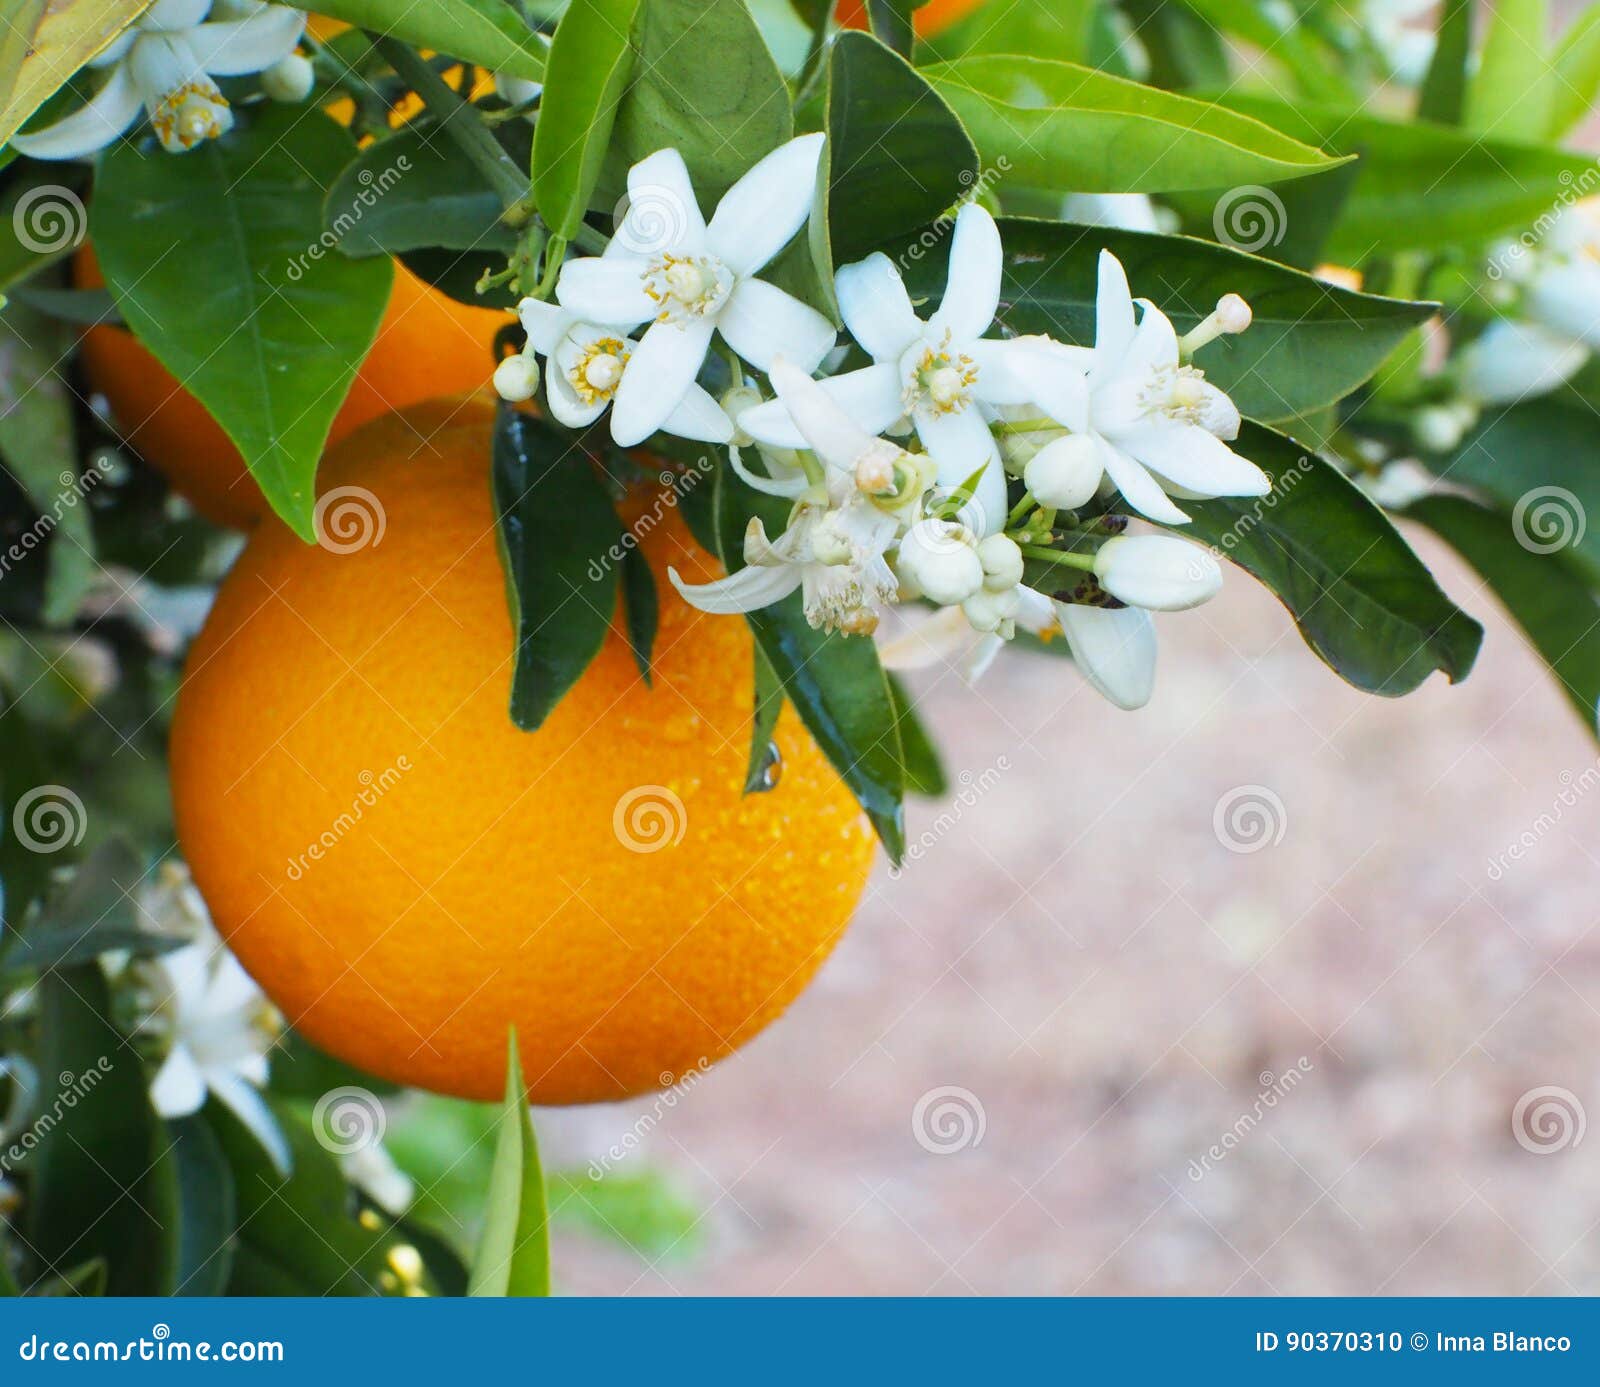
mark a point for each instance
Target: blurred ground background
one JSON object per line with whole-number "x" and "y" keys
{"x": 1116, "y": 989}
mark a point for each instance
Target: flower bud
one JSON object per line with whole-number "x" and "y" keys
{"x": 1438, "y": 428}
{"x": 938, "y": 558}
{"x": 1002, "y": 563}
{"x": 1157, "y": 572}
{"x": 516, "y": 378}
{"x": 988, "y": 611}
{"x": 290, "y": 79}
{"x": 1066, "y": 473}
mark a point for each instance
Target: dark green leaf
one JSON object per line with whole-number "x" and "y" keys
{"x": 561, "y": 543}
{"x": 891, "y": 23}
{"x": 489, "y": 33}
{"x": 767, "y": 704}
{"x": 272, "y": 344}
{"x": 705, "y": 84}
{"x": 42, "y": 220}
{"x": 640, "y": 607}
{"x": 456, "y": 274}
{"x": 1061, "y": 126}
{"x": 204, "y": 1205}
{"x": 1311, "y": 208}
{"x": 1363, "y": 601}
{"x": 1545, "y": 596}
{"x": 1444, "y": 90}
{"x": 924, "y": 770}
{"x": 1310, "y": 344}
{"x": 897, "y": 155}
{"x": 590, "y": 63}
{"x": 513, "y": 1255}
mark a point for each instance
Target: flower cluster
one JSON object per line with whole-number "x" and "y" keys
{"x": 957, "y": 467}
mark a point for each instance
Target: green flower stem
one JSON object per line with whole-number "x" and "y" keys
{"x": 1020, "y": 509}
{"x": 1003, "y": 427}
{"x": 1057, "y": 556}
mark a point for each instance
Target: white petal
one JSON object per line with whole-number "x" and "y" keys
{"x": 760, "y": 214}
{"x": 1055, "y": 385}
{"x": 972, "y": 290}
{"x": 748, "y": 590}
{"x": 175, "y": 14}
{"x": 564, "y": 402}
{"x": 941, "y": 637}
{"x": 959, "y": 444}
{"x": 178, "y": 1088}
{"x": 545, "y": 323}
{"x": 876, "y": 308}
{"x": 660, "y": 371}
{"x": 1567, "y": 298}
{"x": 1155, "y": 342}
{"x": 1114, "y": 648}
{"x": 1193, "y": 458}
{"x": 984, "y": 654}
{"x": 870, "y": 396}
{"x": 699, "y": 417}
{"x": 1139, "y": 489}
{"x": 662, "y": 214}
{"x": 759, "y": 321}
{"x": 232, "y": 47}
{"x": 607, "y": 290}
{"x": 828, "y": 430}
{"x": 1113, "y": 314}
{"x": 106, "y": 115}
{"x": 790, "y": 485}
{"x": 1129, "y": 211}
{"x": 1512, "y": 361}
{"x": 997, "y": 383}
{"x": 251, "y": 1109}
{"x": 1035, "y": 611}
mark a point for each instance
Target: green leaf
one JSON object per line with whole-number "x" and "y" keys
{"x": 1424, "y": 186}
{"x": 1277, "y": 31}
{"x": 1444, "y": 90}
{"x": 415, "y": 191}
{"x": 1044, "y": 28}
{"x": 513, "y": 1254}
{"x": 1361, "y": 598}
{"x": 834, "y": 681}
{"x": 641, "y": 1209}
{"x": 1508, "y": 97}
{"x": 489, "y": 33}
{"x": 202, "y": 1199}
{"x": 767, "y": 705}
{"x": 1574, "y": 77}
{"x": 272, "y": 344}
{"x": 640, "y": 606}
{"x": 891, "y": 23}
{"x": 923, "y": 768}
{"x": 1550, "y": 601}
{"x": 1185, "y": 50}
{"x": 42, "y": 220}
{"x": 90, "y": 1177}
{"x": 1060, "y": 126}
{"x": 1310, "y": 344}
{"x": 704, "y": 83}
{"x": 1540, "y": 461}
{"x": 590, "y": 63}
{"x": 897, "y": 155}
{"x": 43, "y": 43}
{"x": 560, "y": 542}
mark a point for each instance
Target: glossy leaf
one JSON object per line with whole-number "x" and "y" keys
{"x": 1061, "y": 126}
{"x": 1552, "y": 603}
{"x": 271, "y": 345}
{"x": 891, "y": 23}
{"x": 923, "y": 768}
{"x": 897, "y": 155}
{"x": 590, "y": 63}
{"x": 1310, "y": 344}
{"x": 1508, "y": 96}
{"x": 1575, "y": 74}
{"x": 767, "y": 705}
{"x": 1423, "y": 186}
{"x": 43, "y": 43}
{"x": 490, "y": 33}
{"x": 1361, "y": 598}
{"x": 705, "y": 83}
{"x": 1045, "y": 28}
{"x": 1444, "y": 90}
{"x": 560, "y": 541}
{"x": 202, "y": 1200}
{"x": 513, "y": 1253}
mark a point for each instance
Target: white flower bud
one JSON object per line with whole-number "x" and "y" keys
{"x": 987, "y": 611}
{"x": 1066, "y": 473}
{"x": 1438, "y": 428}
{"x": 939, "y": 559}
{"x": 289, "y": 79}
{"x": 1002, "y": 563}
{"x": 1157, "y": 572}
{"x": 516, "y": 378}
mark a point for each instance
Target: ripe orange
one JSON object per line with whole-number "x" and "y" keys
{"x": 408, "y": 875}
{"x": 427, "y": 345}
{"x": 933, "y": 18}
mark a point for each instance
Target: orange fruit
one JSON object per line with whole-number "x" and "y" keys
{"x": 933, "y": 18}
{"x": 427, "y": 345}
{"x": 407, "y": 874}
